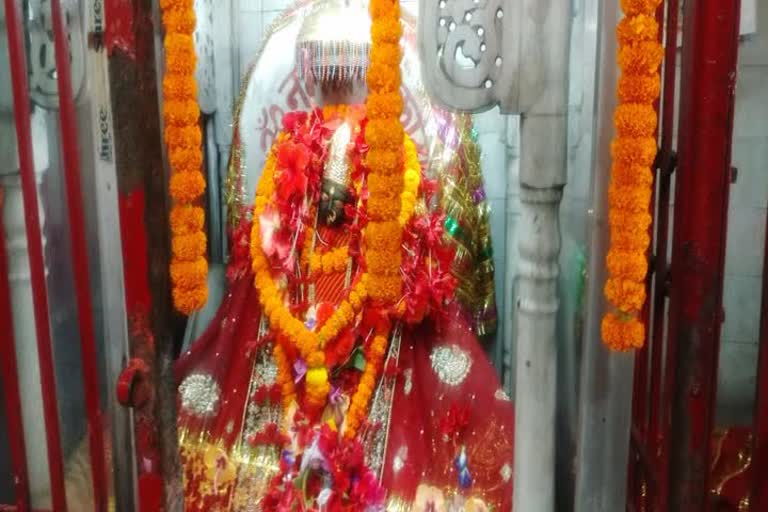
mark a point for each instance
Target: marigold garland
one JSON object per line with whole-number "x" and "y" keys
{"x": 362, "y": 396}
{"x": 310, "y": 344}
{"x": 384, "y": 135}
{"x": 633, "y": 151}
{"x": 181, "y": 114}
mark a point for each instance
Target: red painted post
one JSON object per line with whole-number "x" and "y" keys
{"x": 10, "y": 379}
{"x": 709, "y": 58}
{"x": 88, "y": 352}
{"x": 759, "y": 493}
{"x": 21, "y": 113}
{"x": 665, "y": 167}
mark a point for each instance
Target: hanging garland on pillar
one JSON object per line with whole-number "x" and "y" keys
{"x": 181, "y": 114}
{"x": 629, "y": 194}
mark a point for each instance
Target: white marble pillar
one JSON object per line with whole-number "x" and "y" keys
{"x": 21, "y": 296}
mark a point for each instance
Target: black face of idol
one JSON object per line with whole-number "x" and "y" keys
{"x": 333, "y": 197}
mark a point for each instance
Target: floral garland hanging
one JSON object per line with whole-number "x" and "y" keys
{"x": 310, "y": 345}
{"x": 189, "y": 267}
{"x": 384, "y": 135}
{"x": 629, "y": 194}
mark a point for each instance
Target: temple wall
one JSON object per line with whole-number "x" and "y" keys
{"x": 746, "y": 226}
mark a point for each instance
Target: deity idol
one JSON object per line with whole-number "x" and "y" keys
{"x": 342, "y": 370}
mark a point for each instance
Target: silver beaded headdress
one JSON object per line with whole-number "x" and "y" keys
{"x": 334, "y": 42}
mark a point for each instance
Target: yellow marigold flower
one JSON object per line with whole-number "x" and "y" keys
{"x": 385, "y": 105}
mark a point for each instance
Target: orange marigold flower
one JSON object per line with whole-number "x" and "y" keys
{"x": 634, "y": 120}
{"x": 386, "y": 289}
{"x": 189, "y": 274}
{"x": 189, "y": 247}
{"x": 635, "y": 7}
{"x": 636, "y": 29}
{"x": 180, "y": 21}
{"x": 382, "y": 9}
{"x": 383, "y": 262}
{"x": 622, "y": 334}
{"x": 639, "y": 88}
{"x": 188, "y": 300}
{"x": 631, "y": 175}
{"x": 186, "y": 187}
{"x": 385, "y": 134}
{"x": 384, "y": 105}
{"x": 177, "y": 87}
{"x": 634, "y": 151}
{"x": 628, "y": 265}
{"x": 385, "y": 185}
{"x": 383, "y": 235}
{"x": 630, "y": 198}
{"x": 185, "y": 160}
{"x": 630, "y": 240}
{"x": 183, "y": 136}
{"x": 627, "y": 219}
{"x": 385, "y": 161}
{"x": 626, "y": 295}
{"x": 385, "y": 31}
{"x": 187, "y": 219}
{"x": 383, "y": 78}
{"x": 181, "y": 113}
{"x": 177, "y": 4}
{"x": 388, "y": 54}
{"x": 641, "y": 59}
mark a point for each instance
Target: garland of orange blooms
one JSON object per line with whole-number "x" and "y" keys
{"x": 336, "y": 260}
{"x": 633, "y": 151}
{"x": 189, "y": 268}
{"x": 310, "y": 344}
{"x": 384, "y": 135}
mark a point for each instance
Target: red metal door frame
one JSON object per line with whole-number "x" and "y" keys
{"x": 645, "y": 485}
{"x": 37, "y": 264}
{"x": 708, "y": 82}
{"x": 21, "y": 113}
{"x": 675, "y": 389}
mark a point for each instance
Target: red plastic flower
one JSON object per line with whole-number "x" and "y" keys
{"x": 292, "y": 161}
{"x": 292, "y": 121}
